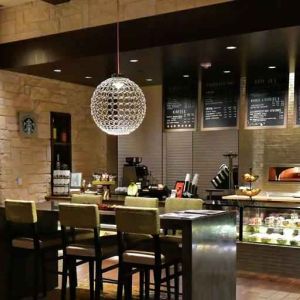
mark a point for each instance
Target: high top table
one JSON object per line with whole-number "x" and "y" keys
{"x": 208, "y": 247}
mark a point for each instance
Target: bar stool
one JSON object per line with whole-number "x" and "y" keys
{"x": 95, "y": 250}
{"x": 156, "y": 258}
{"x": 21, "y": 212}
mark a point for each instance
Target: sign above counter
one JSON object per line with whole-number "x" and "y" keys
{"x": 220, "y": 102}
{"x": 180, "y": 105}
{"x": 267, "y": 101}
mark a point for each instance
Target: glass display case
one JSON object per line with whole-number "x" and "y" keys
{"x": 271, "y": 225}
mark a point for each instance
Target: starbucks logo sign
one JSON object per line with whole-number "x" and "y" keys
{"x": 28, "y": 124}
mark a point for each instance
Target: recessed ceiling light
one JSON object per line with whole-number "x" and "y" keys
{"x": 227, "y": 71}
{"x": 57, "y": 70}
{"x": 231, "y": 47}
{"x": 186, "y": 76}
{"x": 88, "y": 77}
{"x": 205, "y": 65}
{"x": 134, "y": 60}
{"x": 272, "y": 67}
{"x": 149, "y": 79}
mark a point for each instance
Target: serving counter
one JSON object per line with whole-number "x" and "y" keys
{"x": 268, "y": 232}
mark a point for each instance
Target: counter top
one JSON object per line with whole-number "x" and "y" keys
{"x": 263, "y": 198}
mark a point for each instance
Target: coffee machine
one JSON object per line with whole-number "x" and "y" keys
{"x": 134, "y": 171}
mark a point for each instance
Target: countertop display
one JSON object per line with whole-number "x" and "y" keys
{"x": 264, "y": 198}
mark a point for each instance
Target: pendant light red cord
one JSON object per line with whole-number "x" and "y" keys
{"x": 118, "y": 39}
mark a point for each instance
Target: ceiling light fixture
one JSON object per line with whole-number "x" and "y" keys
{"x": 134, "y": 60}
{"x": 226, "y": 71}
{"x": 88, "y": 77}
{"x": 57, "y": 70}
{"x": 185, "y": 75}
{"x": 205, "y": 65}
{"x": 231, "y": 47}
{"x": 118, "y": 105}
{"x": 272, "y": 67}
{"x": 149, "y": 79}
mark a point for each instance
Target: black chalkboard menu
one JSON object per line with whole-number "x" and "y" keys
{"x": 180, "y": 105}
{"x": 220, "y": 99}
{"x": 297, "y": 97}
{"x": 267, "y": 100}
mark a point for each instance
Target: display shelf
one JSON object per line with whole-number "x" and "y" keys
{"x": 61, "y": 149}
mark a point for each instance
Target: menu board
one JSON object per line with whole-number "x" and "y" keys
{"x": 297, "y": 95}
{"x": 220, "y": 98}
{"x": 180, "y": 105}
{"x": 267, "y": 101}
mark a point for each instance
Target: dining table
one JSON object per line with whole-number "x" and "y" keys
{"x": 208, "y": 248}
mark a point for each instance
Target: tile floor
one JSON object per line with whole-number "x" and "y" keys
{"x": 249, "y": 286}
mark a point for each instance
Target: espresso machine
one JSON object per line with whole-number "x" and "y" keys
{"x": 134, "y": 171}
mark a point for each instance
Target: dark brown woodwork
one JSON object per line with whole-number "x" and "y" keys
{"x": 55, "y": 2}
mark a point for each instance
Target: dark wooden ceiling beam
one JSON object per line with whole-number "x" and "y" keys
{"x": 230, "y": 18}
{"x": 55, "y": 2}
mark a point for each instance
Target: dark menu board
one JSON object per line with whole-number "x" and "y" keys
{"x": 180, "y": 105}
{"x": 297, "y": 96}
{"x": 220, "y": 98}
{"x": 267, "y": 100}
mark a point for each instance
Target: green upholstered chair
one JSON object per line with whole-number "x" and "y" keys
{"x": 141, "y": 202}
{"x": 77, "y": 217}
{"x": 86, "y": 199}
{"x": 142, "y": 221}
{"x": 177, "y": 204}
{"x": 21, "y": 212}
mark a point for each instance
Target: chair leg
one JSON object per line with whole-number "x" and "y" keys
{"x": 99, "y": 282}
{"x": 44, "y": 273}
{"x": 147, "y": 284}
{"x": 64, "y": 278}
{"x": 72, "y": 271}
{"x": 36, "y": 275}
{"x": 157, "y": 281}
{"x": 121, "y": 279}
{"x": 142, "y": 272}
{"x": 11, "y": 275}
{"x": 92, "y": 277}
{"x": 128, "y": 284}
{"x": 176, "y": 282}
{"x": 168, "y": 282}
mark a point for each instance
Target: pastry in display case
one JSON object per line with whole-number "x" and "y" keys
{"x": 275, "y": 226}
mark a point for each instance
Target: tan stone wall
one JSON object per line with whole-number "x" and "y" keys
{"x": 29, "y": 158}
{"x": 262, "y": 148}
{"x": 39, "y": 18}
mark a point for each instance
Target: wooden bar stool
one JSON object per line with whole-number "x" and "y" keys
{"x": 157, "y": 257}
{"x": 93, "y": 251}
{"x": 19, "y": 212}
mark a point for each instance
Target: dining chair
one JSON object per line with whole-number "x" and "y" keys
{"x": 156, "y": 257}
{"x": 23, "y": 233}
{"x": 86, "y": 199}
{"x": 94, "y": 250}
{"x": 141, "y": 202}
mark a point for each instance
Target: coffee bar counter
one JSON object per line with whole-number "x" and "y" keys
{"x": 268, "y": 228}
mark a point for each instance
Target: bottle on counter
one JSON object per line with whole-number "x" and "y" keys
{"x": 195, "y": 184}
{"x": 57, "y": 163}
{"x": 187, "y": 183}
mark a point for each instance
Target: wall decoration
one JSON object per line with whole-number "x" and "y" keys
{"x": 220, "y": 102}
{"x": 267, "y": 100}
{"x": 28, "y": 124}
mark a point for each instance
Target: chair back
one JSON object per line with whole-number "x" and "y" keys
{"x": 79, "y": 215}
{"x": 86, "y": 199}
{"x": 141, "y": 202}
{"x": 20, "y": 211}
{"x": 138, "y": 220}
{"x": 177, "y": 204}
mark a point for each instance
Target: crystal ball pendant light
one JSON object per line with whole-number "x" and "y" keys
{"x": 118, "y": 106}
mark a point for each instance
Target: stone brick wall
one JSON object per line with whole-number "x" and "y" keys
{"x": 38, "y": 18}
{"x": 29, "y": 158}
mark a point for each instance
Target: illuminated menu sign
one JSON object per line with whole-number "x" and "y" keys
{"x": 220, "y": 100}
{"x": 267, "y": 101}
{"x": 180, "y": 106}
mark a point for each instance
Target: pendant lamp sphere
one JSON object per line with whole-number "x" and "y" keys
{"x": 118, "y": 106}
